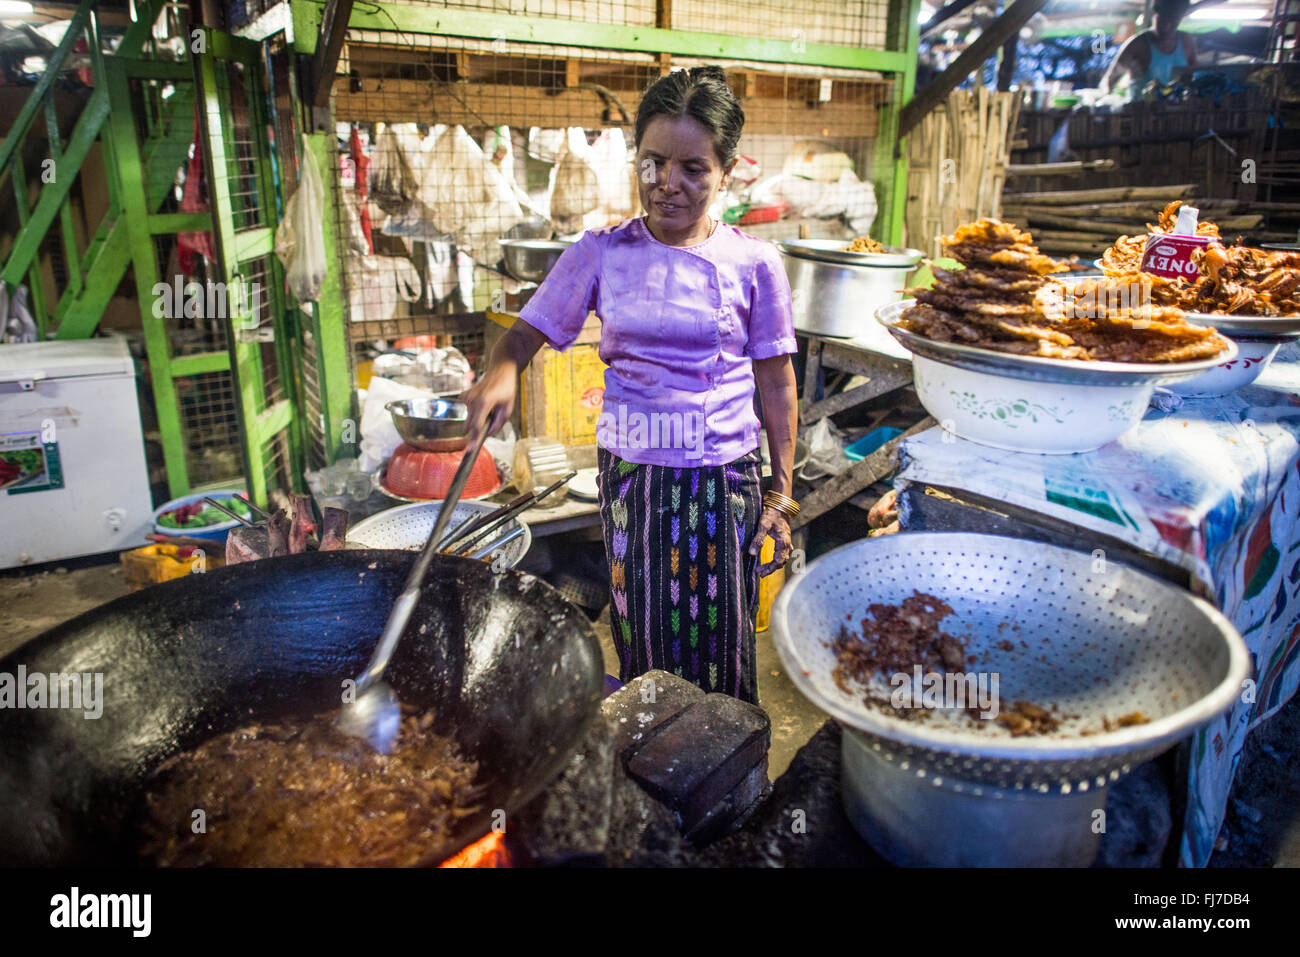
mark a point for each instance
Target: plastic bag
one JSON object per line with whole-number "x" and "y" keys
{"x": 300, "y": 237}
{"x": 377, "y": 285}
{"x": 392, "y": 183}
{"x": 576, "y": 188}
{"x": 825, "y": 450}
{"x": 466, "y": 196}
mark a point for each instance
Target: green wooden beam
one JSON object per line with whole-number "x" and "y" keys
{"x": 329, "y": 317}
{"x": 889, "y": 164}
{"x": 475, "y": 24}
{"x": 200, "y": 362}
{"x": 53, "y": 195}
{"x": 53, "y": 67}
{"x": 144, "y": 261}
{"x": 253, "y": 243}
{"x": 160, "y": 223}
{"x": 272, "y": 420}
{"x": 79, "y": 313}
{"x": 66, "y": 230}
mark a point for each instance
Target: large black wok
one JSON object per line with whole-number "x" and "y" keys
{"x": 513, "y": 670}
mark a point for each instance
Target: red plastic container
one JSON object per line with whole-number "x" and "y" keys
{"x": 415, "y": 473}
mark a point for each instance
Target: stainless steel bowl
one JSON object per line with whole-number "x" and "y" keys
{"x": 834, "y": 297}
{"x": 529, "y": 260}
{"x": 435, "y": 425}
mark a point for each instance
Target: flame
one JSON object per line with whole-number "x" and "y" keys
{"x": 489, "y": 851}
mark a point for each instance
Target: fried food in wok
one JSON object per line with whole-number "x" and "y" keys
{"x": 1006, "y": 300}
{"x": 303, "y": 794}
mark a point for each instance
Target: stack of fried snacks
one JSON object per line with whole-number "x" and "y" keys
{"x": 1005, "y": 300}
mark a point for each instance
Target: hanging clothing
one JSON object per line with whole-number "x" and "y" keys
{"x": 684, "y": 587}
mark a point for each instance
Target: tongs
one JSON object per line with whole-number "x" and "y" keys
{"x": 375, "y": 714}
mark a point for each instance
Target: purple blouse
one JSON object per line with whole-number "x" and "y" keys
{"x": 680, "y": 326}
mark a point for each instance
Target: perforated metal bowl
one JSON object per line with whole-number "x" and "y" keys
{"x": 408, "y": 527}
{"x": 1095, "y": 638}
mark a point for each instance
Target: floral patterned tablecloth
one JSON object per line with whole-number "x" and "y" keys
{"x": 1212, "y": 485}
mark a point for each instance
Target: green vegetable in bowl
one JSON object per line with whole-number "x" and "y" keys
{"x": 201, "y": 515}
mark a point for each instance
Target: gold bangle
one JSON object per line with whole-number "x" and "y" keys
{"x": 782, "y": 503}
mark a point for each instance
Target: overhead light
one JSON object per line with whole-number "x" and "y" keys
{"x": 14, "y": 8}
{"x": 1226, "y": 11}
{"x": 924, "y": 14}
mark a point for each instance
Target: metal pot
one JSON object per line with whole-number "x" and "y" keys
{"x": 837, "y": 298}
{"x": 529, "y": 260}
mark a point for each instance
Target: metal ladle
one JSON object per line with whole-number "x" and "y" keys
{"x": 375, "y": 714}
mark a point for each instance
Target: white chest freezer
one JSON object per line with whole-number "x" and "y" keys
{"x": 73, "y": 479}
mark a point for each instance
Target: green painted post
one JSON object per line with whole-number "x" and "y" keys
{"x": 889, "y": 167}
{"x": 136, "y": 217}
{"x": 329, "y": 321}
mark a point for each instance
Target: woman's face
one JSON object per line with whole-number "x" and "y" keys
{"x": 678, "y": 175}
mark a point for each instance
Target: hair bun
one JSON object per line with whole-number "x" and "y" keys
{"x": 708, "y": 73}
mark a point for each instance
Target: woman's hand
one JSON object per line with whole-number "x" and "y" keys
{"x": 491, "y": 399}
{"x": 776, "y": 525}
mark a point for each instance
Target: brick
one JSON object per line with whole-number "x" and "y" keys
{"x": 693, "y": 763}
{"x": 634, "y": 721}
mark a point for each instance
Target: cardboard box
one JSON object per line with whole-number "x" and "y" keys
{"x": 560, "y": 393}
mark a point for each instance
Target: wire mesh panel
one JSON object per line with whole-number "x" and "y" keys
{"x": 449, "y": 145}
{"x": 855, "y": 23}
{"x": 210, "y": 426}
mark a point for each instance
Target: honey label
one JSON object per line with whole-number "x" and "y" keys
{"x": 1171, "y": 256}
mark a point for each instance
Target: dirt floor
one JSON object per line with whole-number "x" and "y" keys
{"x": 1262, "y": 828}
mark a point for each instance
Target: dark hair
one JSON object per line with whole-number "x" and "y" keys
{"x": 702, "y": 94}
{"x": 1175, "y": 8}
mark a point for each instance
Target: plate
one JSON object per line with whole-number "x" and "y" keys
{"x": 583, "y": 485}
{"x": 1284, "y": 327}
{"x": 832, "y": 250}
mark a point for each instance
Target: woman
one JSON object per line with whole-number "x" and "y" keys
{"x": 695, "y": 316}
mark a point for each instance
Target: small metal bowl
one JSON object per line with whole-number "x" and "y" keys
{"x": 529, "y": 260}
{"x": 435, "y": 425}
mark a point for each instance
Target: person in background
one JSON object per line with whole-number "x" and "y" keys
{"x": 696, "y": 317}
{"x": 1153, "y": 54}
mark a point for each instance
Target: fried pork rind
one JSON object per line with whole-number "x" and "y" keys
{"x": 1005, "y": 300}
{"x": 1235, "y": 280}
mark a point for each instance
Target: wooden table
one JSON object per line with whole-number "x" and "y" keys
{"x": 884, "y": 373}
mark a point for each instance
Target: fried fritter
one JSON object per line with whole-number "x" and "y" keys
{"x": 1005, "y": 300}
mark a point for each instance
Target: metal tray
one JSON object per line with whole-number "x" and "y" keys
{"x": 1040, "y": 369}
{"x": 1263, "y": 327}
{"x": 833, "y": 251}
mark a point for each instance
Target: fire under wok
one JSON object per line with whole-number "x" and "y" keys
{"x": 513, "y": 671}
